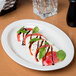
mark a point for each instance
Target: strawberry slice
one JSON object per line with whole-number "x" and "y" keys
{"x": 29, "y": 28}
{"x": 50, "y": 59}
{"x": 18, "y": 37}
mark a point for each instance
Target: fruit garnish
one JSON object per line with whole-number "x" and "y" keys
{"x": 34, "y": 39}
{"x": 46, "y": 43}
{"x": 37, "y": 51}
{"x": 29, "y": 28}
{"x": 47, "y": 60}
{"x": 42, "y": 52}
{"x": 18, "y": 37}
{"x": 18, "y": 32}
{"x": 24, "y": 31}
{"x": 61, "y": 55}
{"x": 35, "y": 30}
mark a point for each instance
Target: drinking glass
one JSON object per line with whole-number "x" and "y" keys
{"x": 45, "y": 8}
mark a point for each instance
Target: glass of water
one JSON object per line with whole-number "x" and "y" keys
{"x": 45, "y": 8}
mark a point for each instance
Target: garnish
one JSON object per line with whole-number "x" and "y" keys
{"x": 20, "y": 30}
{"x": 35, "y": 30}
{"x": 34, "y": 39}
{"x": 36, "y": 34}
{"x": 46, "y": 43}
{"x": 47, "y": 60}
{"x": 30, "y": 51}
{"x": 29, "y": 28}
{"x": 37, "y": 51}
{"x": 23, "y": 31}
{"x": 42, "y": 52}
{"x": 18, "y": 37}
{"x": 61, "y": 55}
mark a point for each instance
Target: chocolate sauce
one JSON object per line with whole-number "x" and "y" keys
{"x": 40, "y": 37}
{"x": 28, "y": 32}
{"x": 23, "y": 35}
{"x": 30, "y": 37}
{"x": 48, "y": 49}
{"x": 30, "y": 44}
{"x": 36, "y": 36}
{"x": 23, "y": 40}
{"x": 20, "y": 33}
{"x": 52, "y": 55}
{"x": 38, "y": 45}
{"x": 41, "y": 43}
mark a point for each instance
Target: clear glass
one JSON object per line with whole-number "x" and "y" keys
{"x": 45, "y": 8}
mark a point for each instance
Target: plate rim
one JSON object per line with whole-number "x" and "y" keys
{"x": 23, "y": 64}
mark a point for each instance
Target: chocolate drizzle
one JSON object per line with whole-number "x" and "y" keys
{"x": 38, "y": 45}
{"x": 23, "y": 40}
{"x": 52, "y": 55}
{"x": 28, "y": 32}
{"x": 41, "y": 43}
{"x": 48, "y": 49}
{"x": 30, "y": 37}
{"x": 36, "y": 36}
{"x": 30, "y": 44}
{"x": 24, "y": 34}
{"x": 40, "y": 37}
{"x": 23, "y": 37}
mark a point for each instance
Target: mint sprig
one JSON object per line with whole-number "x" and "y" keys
{"x": 42, "y": 52}
{"x": 20, "y": 29}
{"x": 46, "y": 43}
{"x": 35, "y": 30}
{"x": 61, "y": 55}
{"x": 34, "y": 39}
{"x": 24, "y": 31}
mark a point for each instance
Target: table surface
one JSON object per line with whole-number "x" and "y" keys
{"x": 24, "y": 11}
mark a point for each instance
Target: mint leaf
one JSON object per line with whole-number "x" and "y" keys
{"x": 24, "y": 31}
{"x": 35, "y": 30}
{"x": 61, "y": 55}
{"x": 46, "y": 43}
{"x": 34, "y": 39}
{"x": 42, "y": 52}
{"x": 20, "y": 29}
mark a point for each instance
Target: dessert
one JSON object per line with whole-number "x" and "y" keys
{"x": 39, "y": 47}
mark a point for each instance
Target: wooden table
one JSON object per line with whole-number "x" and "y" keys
{"x": 24, "y": 11}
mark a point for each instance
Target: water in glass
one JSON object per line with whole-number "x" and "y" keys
{"x": 45, "y": 8}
